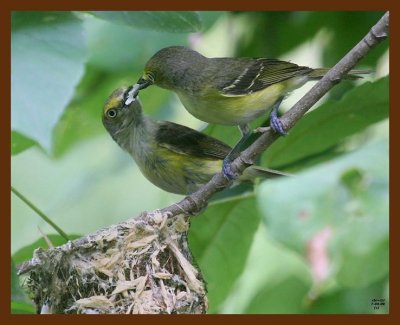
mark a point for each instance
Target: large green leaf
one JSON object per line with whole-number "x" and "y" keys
{"x": 48, "y": 51}
{"x": 284, "y": 297}
{"x": 275, "y": 280}
{"x": 164, "y": 21}
{"x": 220, "y": 240}
{"x": 285, "y": 30}
{"x": 330, "y": 123}
{"x": 18, "y": 307}
{"x": 20, "y": 143}
{"x": 339, "y": 23}
{"x": 117, "y": 48}
{"x": 347, "y": 196}
{"x": 351, "y": 301}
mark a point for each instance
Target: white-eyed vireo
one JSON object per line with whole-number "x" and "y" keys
{"x": 173, "y": 157}
{"x": 228, "y": 91}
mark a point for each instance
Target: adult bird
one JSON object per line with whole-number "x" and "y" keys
{"x": 227, "y": 91}
{"x": 173, "y": 157}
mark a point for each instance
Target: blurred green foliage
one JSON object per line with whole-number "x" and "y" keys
{"x": 213, "y": 241}
{"x": 330, "y": 124}
{"x": 314, "y": 243}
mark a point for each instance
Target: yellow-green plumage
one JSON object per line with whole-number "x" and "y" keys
{"x": 173, "y": 157}
{"x": 231, "y": 110}
{"x": 229, "y": 91}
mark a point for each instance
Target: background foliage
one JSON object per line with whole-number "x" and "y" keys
{"x": 314, "y": 243}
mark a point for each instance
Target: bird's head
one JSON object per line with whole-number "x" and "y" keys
{"x": 118, "y": 117}
{"x": 169, "y": 66}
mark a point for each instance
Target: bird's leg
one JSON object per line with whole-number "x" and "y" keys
{"x": 226, "y": 167}
{"x": 274, "y": 121}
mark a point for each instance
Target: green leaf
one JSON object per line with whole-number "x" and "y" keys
{"x": 18, "y": 307}
{"x": 163, "y": 21}
{"x": 351, "y": 301}
{"x": 48, "y": 51}
{"x": 26, "y": 253}
{"x": 349, "y": 197}
{"x": 287, "y": 30}
{"x": 119, "y": 48}
{"x": 340, "y": 23}
{"x": 294, "y": 31}
{"x": 220, "y": 240}
{"x": 331, "y": 123}
{"x": 20, "y": 143}
{"x": 275, "y": 280}
{"x": 284, "y": 297}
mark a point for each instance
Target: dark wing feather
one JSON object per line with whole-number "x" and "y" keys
{"x": 261, "y": 73}
{"x": 184, "y": 140}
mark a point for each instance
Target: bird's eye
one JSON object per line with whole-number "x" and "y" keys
{"x": 112, "y": 113}
{"x": 150, "y": 76}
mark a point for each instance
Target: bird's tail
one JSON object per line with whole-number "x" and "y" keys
{"x": 252, "y": 172}
{"x": 352, "y": 74}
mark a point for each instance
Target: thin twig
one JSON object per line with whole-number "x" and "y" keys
{"x": 40, "y": 213}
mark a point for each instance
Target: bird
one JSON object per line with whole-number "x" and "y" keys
{"x": 173, "y": 157}
{"x": 227, "y": 91}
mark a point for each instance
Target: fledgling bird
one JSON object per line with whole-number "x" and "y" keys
{"x": 173, "y": 157}
{"x": 227, "y": 91}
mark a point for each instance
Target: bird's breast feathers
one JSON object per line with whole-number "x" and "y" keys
{"x": 175, "y": 172}
{"x": 216, "y": 107}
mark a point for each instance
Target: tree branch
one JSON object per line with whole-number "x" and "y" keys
{"x": 196, "y": 201}
{"x": 162, "y": 226}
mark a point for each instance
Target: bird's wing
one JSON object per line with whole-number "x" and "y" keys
{"x": 184, "y": 140}
{"x": 258, "y": 74}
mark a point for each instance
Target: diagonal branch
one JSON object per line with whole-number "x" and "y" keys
{"x": 194, "y": 203}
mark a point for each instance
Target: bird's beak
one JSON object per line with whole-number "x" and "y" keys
{"x": 141, "y": 84}
{"x": 144, "y": 83}
{"x": 132, "y": 94}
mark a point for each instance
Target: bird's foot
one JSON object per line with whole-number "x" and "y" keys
{"x": 277, "y": 125}
{"x": 274, "y": 120}
{"x": 261, "y": 129}
{"x": 227, "y": 170}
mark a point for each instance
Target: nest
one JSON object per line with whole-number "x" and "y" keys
{"x": 142, "y": 266}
